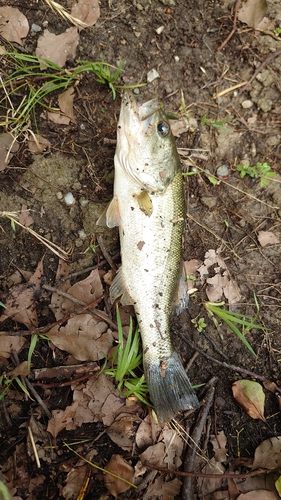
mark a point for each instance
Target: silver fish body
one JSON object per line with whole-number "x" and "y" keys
{"x": 148, "y": 207}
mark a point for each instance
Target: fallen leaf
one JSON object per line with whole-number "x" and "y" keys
{"x": 208, "y": 485}
{"x": 57, "y": 48}
{"x": 121, "y": 432}
{"x": 222, "y": 282}
{"x": 66, "y": 103}
{"x": 9, "y": 343}
{"x": 267, "y": 238}
{"x": 13, "y": 25}
{"x": 174, "y": 448}
{"x": 54, "y": 117}
{"x": 250, "y": 396}
{"x": 268, "y": 454}
{"x": 258, "y": 495}
{"x": 21, "y": 369}
{"x": 6, "y": 141}
{"x": 87, "y": 11}
{"x": 117, "y": 465}
{"x": 270, "y": 386}
{"x": 144, "y": 433}
{"x": 21, "y": 300}
{"x": 252, "y": 12}
{"x": 62, "y": 419}
{"x": 83, "y": 336}
{"x": 160, "y": 488}
{"x": 37, "y": 144}
{"x": 74, "y": 482}
{"x": 154, "y": 455}
{"x": 25, "y": 217}
{"x": 219, "y": 445}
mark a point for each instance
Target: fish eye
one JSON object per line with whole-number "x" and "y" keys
{"x": 163, "y": 128}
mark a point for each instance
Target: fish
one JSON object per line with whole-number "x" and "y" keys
{"x": 148, "y": 208}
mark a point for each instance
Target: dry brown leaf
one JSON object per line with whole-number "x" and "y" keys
{"x": 221, "y": 283}
{"x": 21, "y": 369}
{"x": 74, "y": 482}
{"x": 154, "y": 454}
{"x": 13, "y": 25}
{"x": 117, "y": 465}
{"x": 6, "y": 141}
{"x": 144, "y": 433}
{"x": 57, "y": 48}
{"x": 121, "y": 432}
{"x": 252, "y": 12}
{"x": 34, "y": 483}
{"x": 54, "y": 117}
{"x": 25, "y": 217}
{"x": 268, "y": 454}
{"x": 219, "y": 444}
{"x": 37, "y": 144}
{"x": 209, "y": 485}
{"x": 166, "y": 490}
{"x": 8, "y": 344}
{"x": 86, "y": 290}
{"x": 87, "y": 11}
{"x": 267, "y": 238}
{"x": 270, "y": 386}
{"x": 66, "y": 103}
{"x": 174, "y": 447}
{"x": 251, "y": 397}
{"x": 62, "y": 419}
{"x": 83, "y": 336}
{"x": 258, "y": 495}
{"x": 21, "y": 300}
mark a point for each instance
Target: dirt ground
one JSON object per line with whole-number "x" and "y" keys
{"x": 181, "y": 40}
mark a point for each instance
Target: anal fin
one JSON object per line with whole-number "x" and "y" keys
{"x": 181, "y": 297}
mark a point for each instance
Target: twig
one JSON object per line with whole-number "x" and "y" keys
{"x": 34, "y": 447}
{"x": 223, "y": 363}
{"x": 106, "y": 254}
{"x": 187, "y": 490}
{"x": 212, "y": 476}
{"x": 234, "y": 28}
{"x": 64, "y": 371}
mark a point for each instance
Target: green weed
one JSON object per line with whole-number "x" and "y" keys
{"x": 199, "y": 324}
{"x": 231, "y": 318}
{"x": 260, "y": 171}
{"x": 125, "y": 360}
{"x": 220, "y": 124}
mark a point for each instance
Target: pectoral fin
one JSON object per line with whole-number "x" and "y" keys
{"x": 118, "y": 289}
{"x": 110, "y": 217}
{"x": 181, "y": 297}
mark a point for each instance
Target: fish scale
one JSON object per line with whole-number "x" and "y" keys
{"x": 148, "y": 207}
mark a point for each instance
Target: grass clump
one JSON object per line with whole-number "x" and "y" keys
{"x": 126, "y": 359}
{"x": 260, "y": 171}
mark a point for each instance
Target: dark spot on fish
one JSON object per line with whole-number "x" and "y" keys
{"x": 154, "y": 344}
{"x": 123, "y": 232}
{"x": 119, "y": 126}
{"x": 146, "y": 350}
{"x": 146, "y": 164}
{"x": 163, "y": 367}
{"x": 140, "y": 245}
{"x": 132, "y": 208}
{"x": 146, "y": 270}
{"x": 161, "y": 294}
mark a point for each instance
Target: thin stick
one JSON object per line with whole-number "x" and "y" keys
{"x": 234, "y": 28}
{"x": 106, "y": 254}
{"x": 34, "y": 447}
{"x": 212, "y": 476}
{"x": 187, "y": 490}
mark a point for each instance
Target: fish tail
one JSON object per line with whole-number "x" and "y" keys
{"x": 169, "y": 387}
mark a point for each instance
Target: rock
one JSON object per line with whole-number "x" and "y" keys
{"x": 209, "y": 201}
{"x": 264, "y": 104}
{"x": 223, "y": 171}
{"x": 152, "y": 75}
{"x": 247, "y": 104}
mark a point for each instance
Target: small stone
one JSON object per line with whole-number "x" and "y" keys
{"x": 139, "y": 6}
{"x": 82, "y": 234}
{"x": 137, "y": 34}
{"x": 265, "y": 104}
{"x": 59, "y": 195}
{"x": 160, "y": 30}
{"x": 169, "y": 3}
{"x": 223, "y": 171}
{"x": 69, "y": 199}
{"x": 36, "y": 28}
{"x": 45, "y": 24}
{"x": 177, "y": 58}
{"x": 84, "y": 202}
{"x": 152, "y": 75}
{"x": 209, "y": 201}
{"x": 247, "y": 104}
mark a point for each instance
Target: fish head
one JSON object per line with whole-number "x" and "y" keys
{"x": 145, "y": 145}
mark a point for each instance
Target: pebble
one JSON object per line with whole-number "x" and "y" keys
{"x": 45, "y": 24}
{"x": 247, "y": 104}
{"x": 36, "y": 28}
{"x": 152, "y": 75}
{"x": 223, "y": 171}
{"x": 82, "y": 234}
{"x": 69, "y": 199}
{"x": 160, "y": 30}
{"x": 84, "y": 202}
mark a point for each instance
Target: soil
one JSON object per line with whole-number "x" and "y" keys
{"x": 226, "y": 216}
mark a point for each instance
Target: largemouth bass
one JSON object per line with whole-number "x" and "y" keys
{"x": 148, "y": 207}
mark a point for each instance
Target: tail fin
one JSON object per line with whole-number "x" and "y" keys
{"x": 169, "y": 387}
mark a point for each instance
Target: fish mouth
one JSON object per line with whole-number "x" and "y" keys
{"x": 138, "y": 143}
